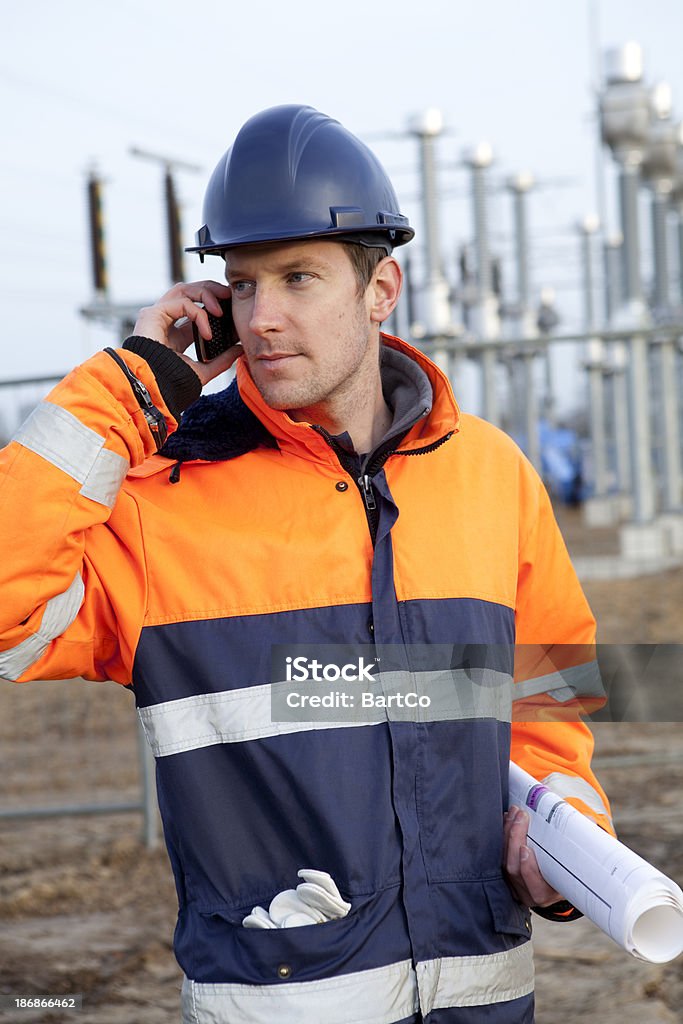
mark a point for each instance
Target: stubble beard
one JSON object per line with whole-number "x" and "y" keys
{"x": 337, "y": 383}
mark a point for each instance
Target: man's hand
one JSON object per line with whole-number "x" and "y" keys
{"x": 521, "y": 867}
{"x": 159, "y": 322}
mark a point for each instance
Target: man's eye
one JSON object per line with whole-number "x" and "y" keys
{"x": 241, "y": 288}
{"x": 299, "y": 276}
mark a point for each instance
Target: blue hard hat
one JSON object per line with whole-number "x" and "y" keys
{"x": 294, "y": 173}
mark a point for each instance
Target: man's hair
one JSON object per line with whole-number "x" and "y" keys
{"x": 364, "y": 260}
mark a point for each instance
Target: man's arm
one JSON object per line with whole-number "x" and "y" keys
{"x": 73, "y": 588}
{"x": 555, "y": 634}
{"x": 555, "y": 631}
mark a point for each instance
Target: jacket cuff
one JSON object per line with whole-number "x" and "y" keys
{"x": 560, "y": 911}
{"x": 179, "y": 384}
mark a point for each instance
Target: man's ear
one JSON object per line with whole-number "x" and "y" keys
{"x": 384, "y": 289}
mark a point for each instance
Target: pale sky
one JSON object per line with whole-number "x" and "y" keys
{"x": 82, "y": 81}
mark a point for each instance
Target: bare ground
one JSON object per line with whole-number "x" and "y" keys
{"x": 86, "y": 908}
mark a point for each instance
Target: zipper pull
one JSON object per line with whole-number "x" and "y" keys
{"x": 153, "y": 416}
{"x": 365, "y": 484}
{"x": 144, "y": 397}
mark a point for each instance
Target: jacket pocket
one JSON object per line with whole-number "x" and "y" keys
{"x": 509, "y": 916}
{"x": 372, "y": 934}
{"x": 460, "y": 807}
{"x": 227, "y": 951}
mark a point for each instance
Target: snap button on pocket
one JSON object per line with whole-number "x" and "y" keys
{"x": 509, "y": 917}
{"x": 342, "y": 485}
{"x": 284, "y": 971}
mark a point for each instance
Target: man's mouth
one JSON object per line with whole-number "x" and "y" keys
{"x": 275, "y": 357}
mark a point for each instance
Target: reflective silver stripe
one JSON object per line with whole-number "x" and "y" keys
{"x": 59, "y": 613}
{"x": 476, "y": 980}
{"x": 104, "y": 480}
{"x": 209, "y": 718}
{"x": 235, "y": 716}
{"x": 453, "y": 694}
{"x": 571, "y": 786}
{"x": 566, "y": 684}
{"x": 62, "y": 440}
{"x": 380, "y": 996}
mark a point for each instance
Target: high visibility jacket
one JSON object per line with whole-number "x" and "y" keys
{"x": 266, "y": 543}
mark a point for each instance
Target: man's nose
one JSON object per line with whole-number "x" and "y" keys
{"x": 266, "y": 312}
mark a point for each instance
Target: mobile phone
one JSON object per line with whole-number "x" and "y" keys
{"x": 223, "y": 334}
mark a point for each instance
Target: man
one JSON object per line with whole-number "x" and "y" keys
{"x": 333, "y": 495}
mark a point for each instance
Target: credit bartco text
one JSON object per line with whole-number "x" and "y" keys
{"x": 342, "y": 699}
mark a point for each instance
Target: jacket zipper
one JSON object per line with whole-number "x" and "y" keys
{"x": 428, "y": 447}
{"x": 364, "y": 481}
{"x": 154, "y": 417}
{"x": 348, "y": 463}
{"x": 365, "y": 484}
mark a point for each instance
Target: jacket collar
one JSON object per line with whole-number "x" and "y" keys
{"x": 235, "y": 421}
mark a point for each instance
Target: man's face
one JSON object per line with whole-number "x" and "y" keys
{"x": 307, "y": 335}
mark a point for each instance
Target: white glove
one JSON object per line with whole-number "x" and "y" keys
{"x": 259, "y": 918}
{"x": 314, "y": 901}
{"x": 319, "y": 892}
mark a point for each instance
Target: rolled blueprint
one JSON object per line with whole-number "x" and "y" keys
{"x": 632, "y": 902}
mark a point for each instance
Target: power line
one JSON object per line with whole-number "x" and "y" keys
{"x": 99, "y": 107}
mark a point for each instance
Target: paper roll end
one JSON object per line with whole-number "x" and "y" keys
{"x": 657, "y": 935}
